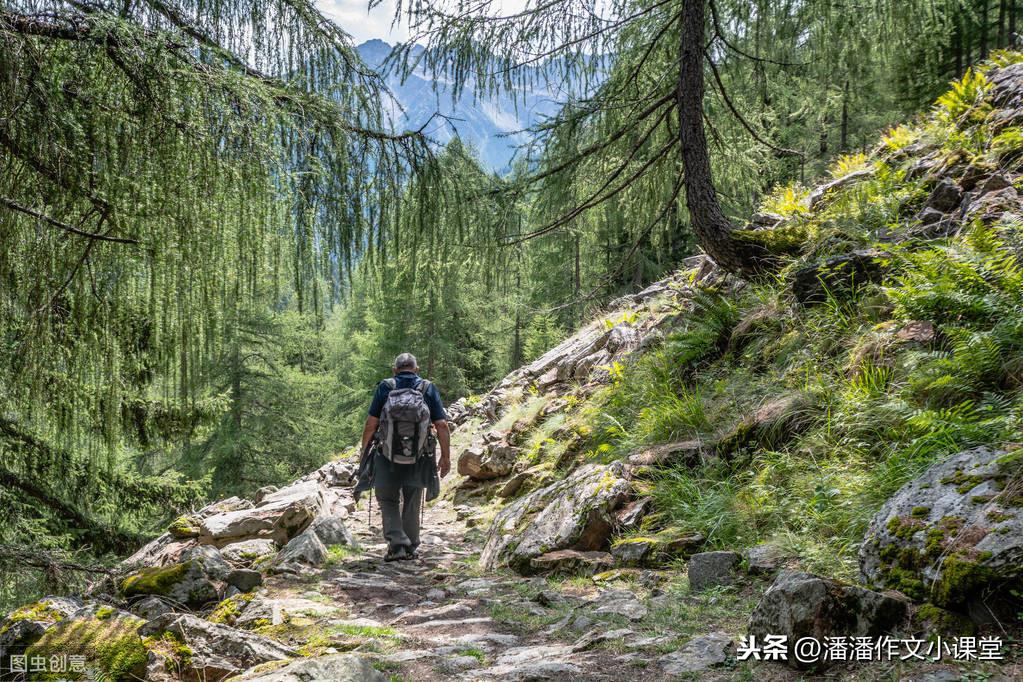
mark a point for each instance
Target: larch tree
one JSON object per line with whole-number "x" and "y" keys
{"x": 638, "y": 132}
{"x": 170, "y": 170}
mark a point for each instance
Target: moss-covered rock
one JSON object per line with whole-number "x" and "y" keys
{"x": 108, "y": 639}
{"x": 184, "y": 527}
{"x": 185, "y": 582}
{"x": 949, "y": 536}
{"x": 26, "y": 625}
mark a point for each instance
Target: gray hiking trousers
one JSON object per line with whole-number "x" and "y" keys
{"x": 400, "y": 507}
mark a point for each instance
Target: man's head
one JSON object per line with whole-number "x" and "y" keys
{"x": 406, "y": 362}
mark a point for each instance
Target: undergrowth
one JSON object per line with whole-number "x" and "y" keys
{"x": 883, "y": 405}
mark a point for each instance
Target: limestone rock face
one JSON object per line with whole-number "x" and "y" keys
{"x": 953, "y": 535}
{"x": 217, "y": 650}
{"x": 337, "y": 668}
{"x": 280, "y": 516}
{"x": 574, "y": 513}
{"x": 801, "y": 605}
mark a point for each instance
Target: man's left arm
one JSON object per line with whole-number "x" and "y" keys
{"x": 440, "y": 423}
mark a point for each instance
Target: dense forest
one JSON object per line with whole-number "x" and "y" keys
{"x": 215, "y": 241}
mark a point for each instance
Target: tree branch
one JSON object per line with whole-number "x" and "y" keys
{"x": 15, "y": 206}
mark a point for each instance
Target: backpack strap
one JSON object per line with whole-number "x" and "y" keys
{"x": 424, "y": 386}
{"x": 391, "y": 383}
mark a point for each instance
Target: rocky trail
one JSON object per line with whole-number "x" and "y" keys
{"x": 440, "y": 617}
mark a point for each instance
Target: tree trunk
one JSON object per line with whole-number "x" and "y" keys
{"x": 984, "y": 21}
{"x": 843, "y": 142}
{"x": 712, "y": 229}
{"x": 1012, "y": 23}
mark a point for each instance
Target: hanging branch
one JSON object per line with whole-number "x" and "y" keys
{"x": 15, "y": 206}
{"x": 13, "y": 555}
{"x": 719, "y": 34}
{"x": 781, "y": 151}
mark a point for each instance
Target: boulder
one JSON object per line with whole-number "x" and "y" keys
{"x": 570, "y": 561}
{"x": 619, "y": 602}
{"x": 838, "y": 276}
{"x": 953, "y": 535}
{"x": 331, "y": 530}
{"x": 482, "y": 462}
{"x": 574, "y": 513}
{"x": 217, "y": 651}
{"x": 632, "y": 513}
{"x": 945, "y": 196}
{"x": 24, "y": 626}
{"x": 698, "y": 654}
{"x": 802, "y": 605}
{"x": 148, "y": 608}
{"x": 994, "y": 206}
{"x": 643, "y": 550}
{"x": 304, "y": 551}
{"x": 633, "y": 551}
{"x": 185, "y": 583}
{"x": 106, "y": 637}
{"x": 765, "y": 558}
{"x": 336, "y": 668}
{"x": 245, "y": 552}
{"x": 209, "y": 558}
{"x": 336, "y": 474}
{"x": 280, "y": 516}
{"x": 712, "y": 569}
{"x": 245, "y": 579}
{"x": 263, "y": 492}
{"x": 162, "y": 551}
{"x": 184, "y": 527}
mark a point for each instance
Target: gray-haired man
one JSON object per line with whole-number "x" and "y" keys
{"x": 399, "y": 487}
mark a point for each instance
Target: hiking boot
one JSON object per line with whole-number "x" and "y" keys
{"x": 396, "y": 554}
{"x": 410, "y": 555}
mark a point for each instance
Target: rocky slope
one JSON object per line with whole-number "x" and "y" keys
{"x": 555, "y": 554}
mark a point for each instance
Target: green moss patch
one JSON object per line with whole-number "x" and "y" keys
{"x": 110, "y": 644}
{"x": 157, "y": 580}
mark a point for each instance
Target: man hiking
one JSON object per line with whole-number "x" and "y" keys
{"x": 401, "y": 465}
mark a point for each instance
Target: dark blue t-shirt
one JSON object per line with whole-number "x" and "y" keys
{"x": 408, "y": 380}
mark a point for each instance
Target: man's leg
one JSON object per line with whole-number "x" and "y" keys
{"x": 389, "y": 498}
{"x": 413, "y": 504}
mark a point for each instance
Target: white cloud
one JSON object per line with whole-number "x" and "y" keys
{"x": 355, "y": 17}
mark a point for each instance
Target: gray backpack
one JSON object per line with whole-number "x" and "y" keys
{"x": 404, "y": 423}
